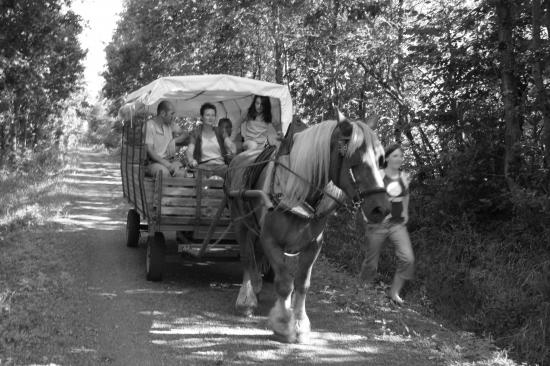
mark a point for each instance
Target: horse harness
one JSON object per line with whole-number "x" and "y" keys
{"x": 358, "y": 199}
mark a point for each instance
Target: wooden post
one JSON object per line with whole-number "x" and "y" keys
{"x": 198, "y": 203}
{"x": 212, "y": 227}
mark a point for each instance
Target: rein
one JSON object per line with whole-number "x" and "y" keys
{"x": 319, "y": 190}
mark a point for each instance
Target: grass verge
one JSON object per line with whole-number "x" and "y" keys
{"x": 493, "y": 283}
{"x": 32, "y": 277}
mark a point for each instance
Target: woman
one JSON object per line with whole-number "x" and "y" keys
{"x": 392, "y": 228}
{"x": 257, "y": 128}
{"x": 210, "y": 148}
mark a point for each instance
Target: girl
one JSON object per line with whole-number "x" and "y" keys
{"x": 392, "y": 228}
{"x": 257, "y": 128}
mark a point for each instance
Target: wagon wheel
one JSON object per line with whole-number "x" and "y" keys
{"x": 132, "y": 228}
{"x": 155, "y": 257}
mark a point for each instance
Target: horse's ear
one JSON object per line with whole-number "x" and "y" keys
{"x": 344, "y": 124}
{"x": 372, "y": 121}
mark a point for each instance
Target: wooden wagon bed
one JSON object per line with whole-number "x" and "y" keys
{"x": 194, "y": 208}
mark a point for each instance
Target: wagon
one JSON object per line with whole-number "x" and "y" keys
{"x": 195, "y": 208}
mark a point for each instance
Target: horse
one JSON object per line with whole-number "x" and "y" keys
{"x": 327, "y": 162}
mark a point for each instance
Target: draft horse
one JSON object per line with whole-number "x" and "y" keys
{"x": 326, "y": 163}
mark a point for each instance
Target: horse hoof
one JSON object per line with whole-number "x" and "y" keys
{"x": 245, "y": 311}
{"x": 284, "y": 338}
{"x": 303, "y": 338}
{"x": 283, "y": 329}
{"x": 303, "y": 329}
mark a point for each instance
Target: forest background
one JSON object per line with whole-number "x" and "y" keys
{"x": 463, "y": 85}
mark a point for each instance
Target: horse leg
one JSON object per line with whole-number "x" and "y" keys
{"x": 302, "y": 282}
{"x": 281, "y": 317}
{"x": 247, "y": 301}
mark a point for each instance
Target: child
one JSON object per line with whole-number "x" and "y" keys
{"x": 225, "y": 127}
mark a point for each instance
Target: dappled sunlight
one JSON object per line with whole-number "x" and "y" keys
{"x": 92, "y": 174}
{"x": 89, "y": 222}
{"x": 155, "y": 292}
{"x": 97, "y": 191}
{"x": 207, "y": 335}
{"x": 81, "y": 182}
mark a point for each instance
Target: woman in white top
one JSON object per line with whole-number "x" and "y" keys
{"x": 258, "y": 127}
{"x": 211, "y": 148}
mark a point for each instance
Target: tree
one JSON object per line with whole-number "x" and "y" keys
{"x": 540, "y": 54}
{"x": 505, "y": 10}
{"x": 41, "y": 64}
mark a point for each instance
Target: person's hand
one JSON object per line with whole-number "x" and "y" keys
{"x": 173, "y": 167}
{"x": 405, "y": 217}
{"x": 274, "y": 140}
{"x": 193, "y": 163}
{"x": 168, "y": 166}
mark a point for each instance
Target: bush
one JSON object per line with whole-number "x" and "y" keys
{"x": 105, "y": 132}
{"x": 487, "y": 276}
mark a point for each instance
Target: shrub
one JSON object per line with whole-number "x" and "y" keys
{"x": 487, "y": 276}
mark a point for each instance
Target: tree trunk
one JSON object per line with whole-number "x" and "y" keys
{"x": 362, "y": 92}
{"x": 402, "y": 110}
{"x": 538, "y": 72}
{"x": 335, "y": 98}
{"x": 510, "y": 98}
{"x": 401, "y": 124}
{"x": 277, "y": 44}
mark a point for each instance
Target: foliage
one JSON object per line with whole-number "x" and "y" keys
{"x": 463, "y": 85}
{"x": 39, "y": 70}
{"x": 102, "y": 128}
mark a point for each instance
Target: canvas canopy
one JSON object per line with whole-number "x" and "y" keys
{"x": 232, "y": 96}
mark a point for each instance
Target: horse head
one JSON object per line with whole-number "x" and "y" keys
{"x": 356, "y": 156}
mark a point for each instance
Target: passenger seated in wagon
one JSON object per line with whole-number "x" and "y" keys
{"x": 161, "y": 143}
{"x": 257, "y": 128}
{"x": 211, "y": 148}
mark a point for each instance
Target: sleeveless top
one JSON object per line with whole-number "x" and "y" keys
{"x": 211, "y": 152}
{"x": 397, "y": 189}
{"x": 198, "y": 153}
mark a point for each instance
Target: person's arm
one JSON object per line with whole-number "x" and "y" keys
{"x": 191, "y": 149}
{"x": 242, "y": 130}
{"x": 189, "y": 154}
{"x": 229, "y": 144}
{"x": 182, "y": 139}
{"x": 272, "y": 135}
{"x": 179, "y": 136}
{"x": 406, "y": 208}
{"x": 406, "y": 179}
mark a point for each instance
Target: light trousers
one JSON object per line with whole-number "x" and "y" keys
{"x": 398, "y": 235}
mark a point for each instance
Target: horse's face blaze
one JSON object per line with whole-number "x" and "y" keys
{"x": 359, "y": 174}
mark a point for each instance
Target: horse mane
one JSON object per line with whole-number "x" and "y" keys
{"x": 310, "y": 157}
{"x": 371, "y": 140}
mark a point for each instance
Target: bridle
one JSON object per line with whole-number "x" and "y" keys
{"x": 359, "y": 198}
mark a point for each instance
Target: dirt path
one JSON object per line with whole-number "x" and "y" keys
{"x": 113, "y": 316}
